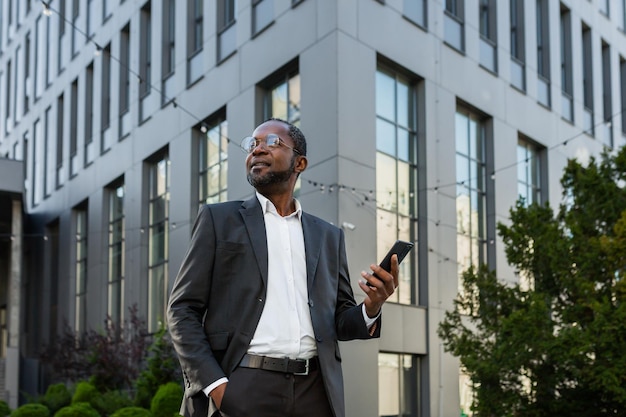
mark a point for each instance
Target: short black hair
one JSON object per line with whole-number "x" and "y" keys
{"x": 299, "y": 141}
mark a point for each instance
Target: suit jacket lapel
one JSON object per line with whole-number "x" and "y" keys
{"x": 312, "y": 247}
{"x": 252, "y": 215}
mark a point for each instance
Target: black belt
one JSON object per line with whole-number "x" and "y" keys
{"x": 286, "y": 365}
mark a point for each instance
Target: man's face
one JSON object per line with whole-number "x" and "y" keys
{"x": 273, "y": 166}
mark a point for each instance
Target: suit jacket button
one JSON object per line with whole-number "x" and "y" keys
{"x": 260, "y": 300}
{"x": 311, "y": 303}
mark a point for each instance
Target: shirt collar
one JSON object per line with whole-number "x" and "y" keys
{"x": 268, "y": 206}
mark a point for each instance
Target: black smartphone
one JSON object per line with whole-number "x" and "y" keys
{"x": 400, "y": 248}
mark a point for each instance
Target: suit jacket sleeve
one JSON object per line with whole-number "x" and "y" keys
{"x": 187, "y": 307}
{"x": 349, "y": 317}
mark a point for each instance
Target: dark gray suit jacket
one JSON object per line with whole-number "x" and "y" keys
{"x": 219, "y": 294}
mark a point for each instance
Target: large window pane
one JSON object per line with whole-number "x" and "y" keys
{"x": 396, "y": 172}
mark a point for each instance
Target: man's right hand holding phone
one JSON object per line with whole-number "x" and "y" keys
{"x": 378, "y": 286}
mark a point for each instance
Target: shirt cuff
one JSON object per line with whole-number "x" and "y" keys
{"x": 369, "y": 321}
{"x": 214, "y": 385}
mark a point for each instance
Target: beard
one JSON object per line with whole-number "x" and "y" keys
{"x": 271, "y": 178}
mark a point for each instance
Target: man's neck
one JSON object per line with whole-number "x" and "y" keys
{"x": 284, "y": 203}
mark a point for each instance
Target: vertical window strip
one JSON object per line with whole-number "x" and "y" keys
{"x": 283, "y": 99}
{"x": 213, "y": 162}
{"x": 607, "y": 94}
{"x": 622, "y": 76}
{"x": 169, "y": 37}
{"x": 587, "y": 63}
{"x": 543, "y": 52}
{"x": 196, "y": 20}
{"x": 116, "y": 255}
{"x": 529, "y": 172}
{"x": 106, "y": 134}
{"x": 74, "y": 128}
{"x": 567, "y": 89}
{"x": 89, "y": 145}
{"x": 471, "y": 198}
{"x": 124, "y": 70}
{"x": 145, "y": 47}
{"x": 398, "y": 384}
{"x": 60, "y": 140}
{"x": 81, "y": 271}
{"x": 518, "y": 44}
{"x": 396, "y": 172}
{"x": 159, "y": 182}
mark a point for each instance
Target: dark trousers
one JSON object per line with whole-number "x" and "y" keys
{"x": 259, "y": 393}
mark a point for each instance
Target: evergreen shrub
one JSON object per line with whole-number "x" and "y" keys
{"x": 111, "y": 401}
{"x": 4, "y": 409}
{"x": 85, "y": 392}
{"x": 80, "y": 409}
{"x": 31, "y": 410}
{"x": 132, "y": 412}
{"x": 56, "y": 397}
{"x": 166, "y": 401}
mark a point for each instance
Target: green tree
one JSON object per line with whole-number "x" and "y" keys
{"x": 556, "y": 345}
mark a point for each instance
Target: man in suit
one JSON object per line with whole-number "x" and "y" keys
{"x": 263, "y": 296}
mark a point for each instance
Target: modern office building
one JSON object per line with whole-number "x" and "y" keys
{"x": 425, "y": 119}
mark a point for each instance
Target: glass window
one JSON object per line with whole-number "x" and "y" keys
{"x": 116, "y": 254}
{"x": 40, "y": 56}
{"x": 76, "y": 32}
{"x": 567, "y": 88}
{"x": 90, "y": 147}
{"x": 283, "y": 99}
{"x": 518, "y": 44}
{"x": 145, "y": 50}
{"x": 622, "y": 77}
{"x": 398, "y": 385}
{"x": 453, "y": 29}
{"x": 415, "y": 11}
{"x": 226, "y": 31}
{"x": 196, "y": 19}
{"x": 74, "y": 129}
{"x": 604, "y": 7}
{"x": 262, "y": 14}
{"x": 396, "y": 173}
{"x": 543, "y": 53}
{"x": 169, "y": 37}
{"x": 106, "y": 137}
{"x": 213, "y": 161}
{"x": 26, "y": 80}
{"x": 80, "y": 248}
{"x": 158, "y": 240}
{"x": 587, "y": 63}
{"x": 124, "y": 86}
{"x": 488, "y": 34}
{"x": 607, "y": 95}
{"x": 195, "y": 22}
{"x": 61, "y": 39}
{"x": 60, "y": 178}
{"x": 91, "y": 19}
{"x": 50, "y": 154}
{"x": 529, "y": 171}
{"x": 8, "y": 123}
{"x": 471, "y": 193}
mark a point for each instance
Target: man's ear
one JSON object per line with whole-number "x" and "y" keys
{"x": 301, "y": 163}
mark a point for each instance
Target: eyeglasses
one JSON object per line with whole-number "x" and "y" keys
{"x": 272, "y": 141}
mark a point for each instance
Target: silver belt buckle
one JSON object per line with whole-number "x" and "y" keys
{"x": 306, "y": 369}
